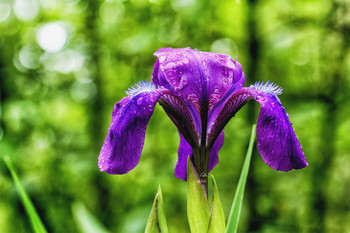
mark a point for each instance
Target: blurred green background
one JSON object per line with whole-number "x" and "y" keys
{"x": 64, "y": 63}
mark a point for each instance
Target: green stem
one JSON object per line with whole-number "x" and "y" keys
{"x": 201, "y": 163}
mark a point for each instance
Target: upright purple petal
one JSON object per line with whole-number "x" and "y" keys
{"x": 179, "y": 71}
{"x": 225, "y": 75}
{"x": 197, "y": 77}
{"x": 122, "y": 148}
{"x": 276, "y": 140}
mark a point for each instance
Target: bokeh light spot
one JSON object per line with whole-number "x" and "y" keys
{"x": 29, "y": 56}
{"x": 5, "y": 11}
{"x": 179, "y": 5}
{"x": 26, "y": 9}
{"x": 112, "y": 12}
{"x": 226, "y": 46}
{"x": 83, "y": 91}
{"x": 52, "y": 36}
{"x": 64, "y": 62}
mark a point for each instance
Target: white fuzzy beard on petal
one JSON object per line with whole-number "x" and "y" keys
{"x": 268, "y": 88}
{"x": 140, "y": 87}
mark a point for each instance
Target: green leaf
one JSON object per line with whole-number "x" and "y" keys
{"x": 157, "y": 221}
{"x": 217, "y": 218}
{"x": 197, "y": 203}
{"x": 232, "y": 223}
{"x": 86, "y": 222}
{"x": 34, "y": 219}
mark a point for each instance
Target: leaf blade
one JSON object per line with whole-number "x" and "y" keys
{"x": 33, "y": 216}
{"x": 156, "y": 220}
{"x": 233, "y": 220}
{"x": 217, "y": 217}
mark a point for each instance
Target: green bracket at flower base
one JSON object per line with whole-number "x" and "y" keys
{"x": 217, "y": 216}
{"x": 197, "y": 203}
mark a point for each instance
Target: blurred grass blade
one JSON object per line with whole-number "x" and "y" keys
{"x": 34, "y": 219}
{"x": 217, "y": 218}
{"x": 157, "y": 221}
{"x": 197, "y": 203}
{"x": 86, "y": 222}
{"x": 232, "y": 223}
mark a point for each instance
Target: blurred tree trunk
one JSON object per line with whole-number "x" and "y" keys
{"x": 255, "y": 220}
{"x": 97, "y": 132}
{"x": 332, "y": 97}
{"x": 94, "y": 42}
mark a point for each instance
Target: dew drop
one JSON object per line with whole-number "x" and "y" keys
{"x": 150, "y": 108}
{"x": 179, "y": 74}
{"x": 225, "y": 71}
{"x": 186, "y": 60}
{"x": 162, "y": 58}
{"x": 260, "y": 98}
{"x": 139, "y": 101}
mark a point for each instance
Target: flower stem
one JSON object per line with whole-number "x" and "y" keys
{"x": 201, "y": 163}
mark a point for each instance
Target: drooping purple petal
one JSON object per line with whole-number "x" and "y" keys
{"x": 200, "y": 78}
{"x": 276, "y": 140}
{"x": 277, "y": 143}
{"x": 185, "y": 150}
{"x": 122, "y": 148}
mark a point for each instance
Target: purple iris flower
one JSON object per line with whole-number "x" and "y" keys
{"x": 200, "y": 92}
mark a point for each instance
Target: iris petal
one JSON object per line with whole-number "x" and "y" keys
{"x": 184, "y": 151}
{"x": 214, "y": 153}
{"x": 198, "y": 77}
{"x": 180, "y": 114}
{"x": 122, "y": 148}
{"x": 277, "y": 143}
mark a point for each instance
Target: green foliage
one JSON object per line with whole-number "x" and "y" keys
{"x": 35, "y": 221}
{"x": 236, "y": 207}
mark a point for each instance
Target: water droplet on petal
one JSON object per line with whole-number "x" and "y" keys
{"x": 139, "y": 101}
{"x": 162, "y": 58}
{"x": 150, "y": 108}
{"x": 260, "y": 98}
{"x": 186, "y": 60}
